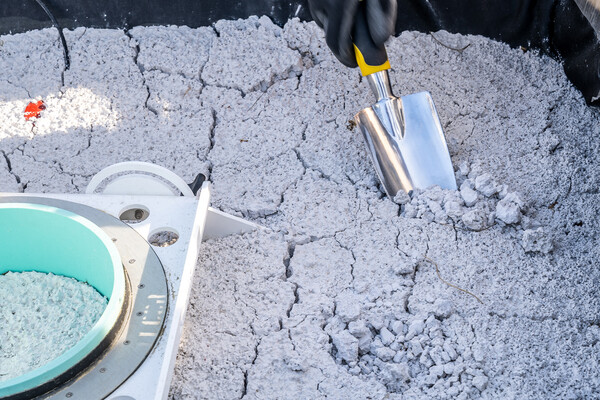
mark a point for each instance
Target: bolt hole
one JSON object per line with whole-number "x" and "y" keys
{"x": 163, "y": 238}
{"x": 141, "y": 286}
{"x": 126, "y": 343}
{"x": 69, "y": 394}
{"x": 134, "y": 214}
{"x": 131, "y": 261}
{"x": 139, "y": 313}
{"x": 102, "y": 370}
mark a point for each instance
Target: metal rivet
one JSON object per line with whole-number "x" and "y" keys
{"x": 141, "y": 286}
{"x": 69, "y": 394}
{"x": 126, "y": 342}
{"x": 102, "y": 370}
{"x": 139, "y": 313}
{"x": 131, "y": 261}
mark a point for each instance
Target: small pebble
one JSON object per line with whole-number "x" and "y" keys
{"x": 415, "y": 328}
{"x": 397, "y": 327}
{"x": 386, "y": 336}
{"x": 401, "y": 372}
{"x": 475, "y": 220}
{"x": 454, "y": 209}
{"x": 442, "y": 308}
{"x": 376, "y": 322}
{"x": 468, "y": 195}
{"x": 486, "y": 185}
{"x": 537, "y": 241}
{"x": 385, "y": 353}
{"x": 402, "y": 198}
{"x": 463, "y": 168}
{"x": 364, "y": 343}
{"x": 437, "y": 370}
{"x": 358, "y": 328}
{"x": 480, "y": 382}
{"x": 448, "y": 368}
{"x": 346, "y": 345}
{"x": 508, "y": 210}
{"x": 347, "y": 308}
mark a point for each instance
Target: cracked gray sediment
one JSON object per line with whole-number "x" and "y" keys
{"x": 8, "y": 180}
{"x": 259, "y": 47}
{"x": 264, "y": 111}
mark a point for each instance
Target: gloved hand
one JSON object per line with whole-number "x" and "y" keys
{"x": 336, "y": 17}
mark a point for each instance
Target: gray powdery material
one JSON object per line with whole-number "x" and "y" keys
{"x": 42, "y": 316}
{"x": 255, "y": 43}
{"x": 413, "y": 353}
{"x": 344, "y": 275}
{"x": 479, "y": 203}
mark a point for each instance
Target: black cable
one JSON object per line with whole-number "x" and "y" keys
{"x": 60, "y": 33}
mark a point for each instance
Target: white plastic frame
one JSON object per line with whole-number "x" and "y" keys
{"x": 188, "y": 215}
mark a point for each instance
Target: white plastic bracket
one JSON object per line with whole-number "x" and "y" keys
{"x": 132, "y": 185}
{"x": 125, "y": 179}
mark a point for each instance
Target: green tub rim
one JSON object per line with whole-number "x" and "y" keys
{"x": 101, "y": 328}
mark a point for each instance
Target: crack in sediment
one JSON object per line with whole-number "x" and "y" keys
{"x": 89, "y": 143}
{"x": 288, "y": 313}
{"x": 413, "y": 275}
{"x": 294, "y": 71}
{"x": 58, "y": 45}
{"x": 75, "y": 185}
{"x": 141, "y": 68}
{"x": 348, "y": 249}
{"x": 291, "y": 340}
{"x": 54, "y": 164}
{"x": 10, "y": 169}
{"x": 291, "y": 248}
{"x": 303, "y": 55}
{"x": 245, "y": 387}
{"x": 18, "y": 87}
{"x": 239, "y": 300}
{"x": 8, "y": 163}
{"x": 212, "y": 140}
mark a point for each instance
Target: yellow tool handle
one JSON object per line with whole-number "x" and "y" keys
{"x": 370, "y": 57}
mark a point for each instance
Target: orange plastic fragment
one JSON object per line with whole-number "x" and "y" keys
{"x": 33, "y": 110}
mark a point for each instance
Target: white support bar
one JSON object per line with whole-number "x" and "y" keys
{"x": 220, "y": 224}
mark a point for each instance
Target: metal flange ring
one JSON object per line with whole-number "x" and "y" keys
{"x": 141, "y": 321}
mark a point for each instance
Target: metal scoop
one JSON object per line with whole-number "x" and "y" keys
{"x": 403, "y": 135}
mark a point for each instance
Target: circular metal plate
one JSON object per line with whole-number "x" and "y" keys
{"x": 143, "y": 317}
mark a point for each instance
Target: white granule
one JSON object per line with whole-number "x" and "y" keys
{"x": 41, "y": 317}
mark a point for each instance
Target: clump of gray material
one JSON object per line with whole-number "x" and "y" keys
{"x": 342, "y": 298}
{"x": 415, "y": 356}
{"x": 255, "y": 43}
{"x": 537, "y": 240}
{"x": 42, "y": 316}
{"x": 405, "y": 349}
{"x": 479, "y": 203}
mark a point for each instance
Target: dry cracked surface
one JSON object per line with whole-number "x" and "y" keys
{"x": 344, "y": 294}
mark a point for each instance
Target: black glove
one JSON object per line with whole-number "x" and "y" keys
{"x": 336, "y": 17}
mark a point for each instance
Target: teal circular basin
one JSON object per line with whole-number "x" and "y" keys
{"x": 41, "y": 238}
